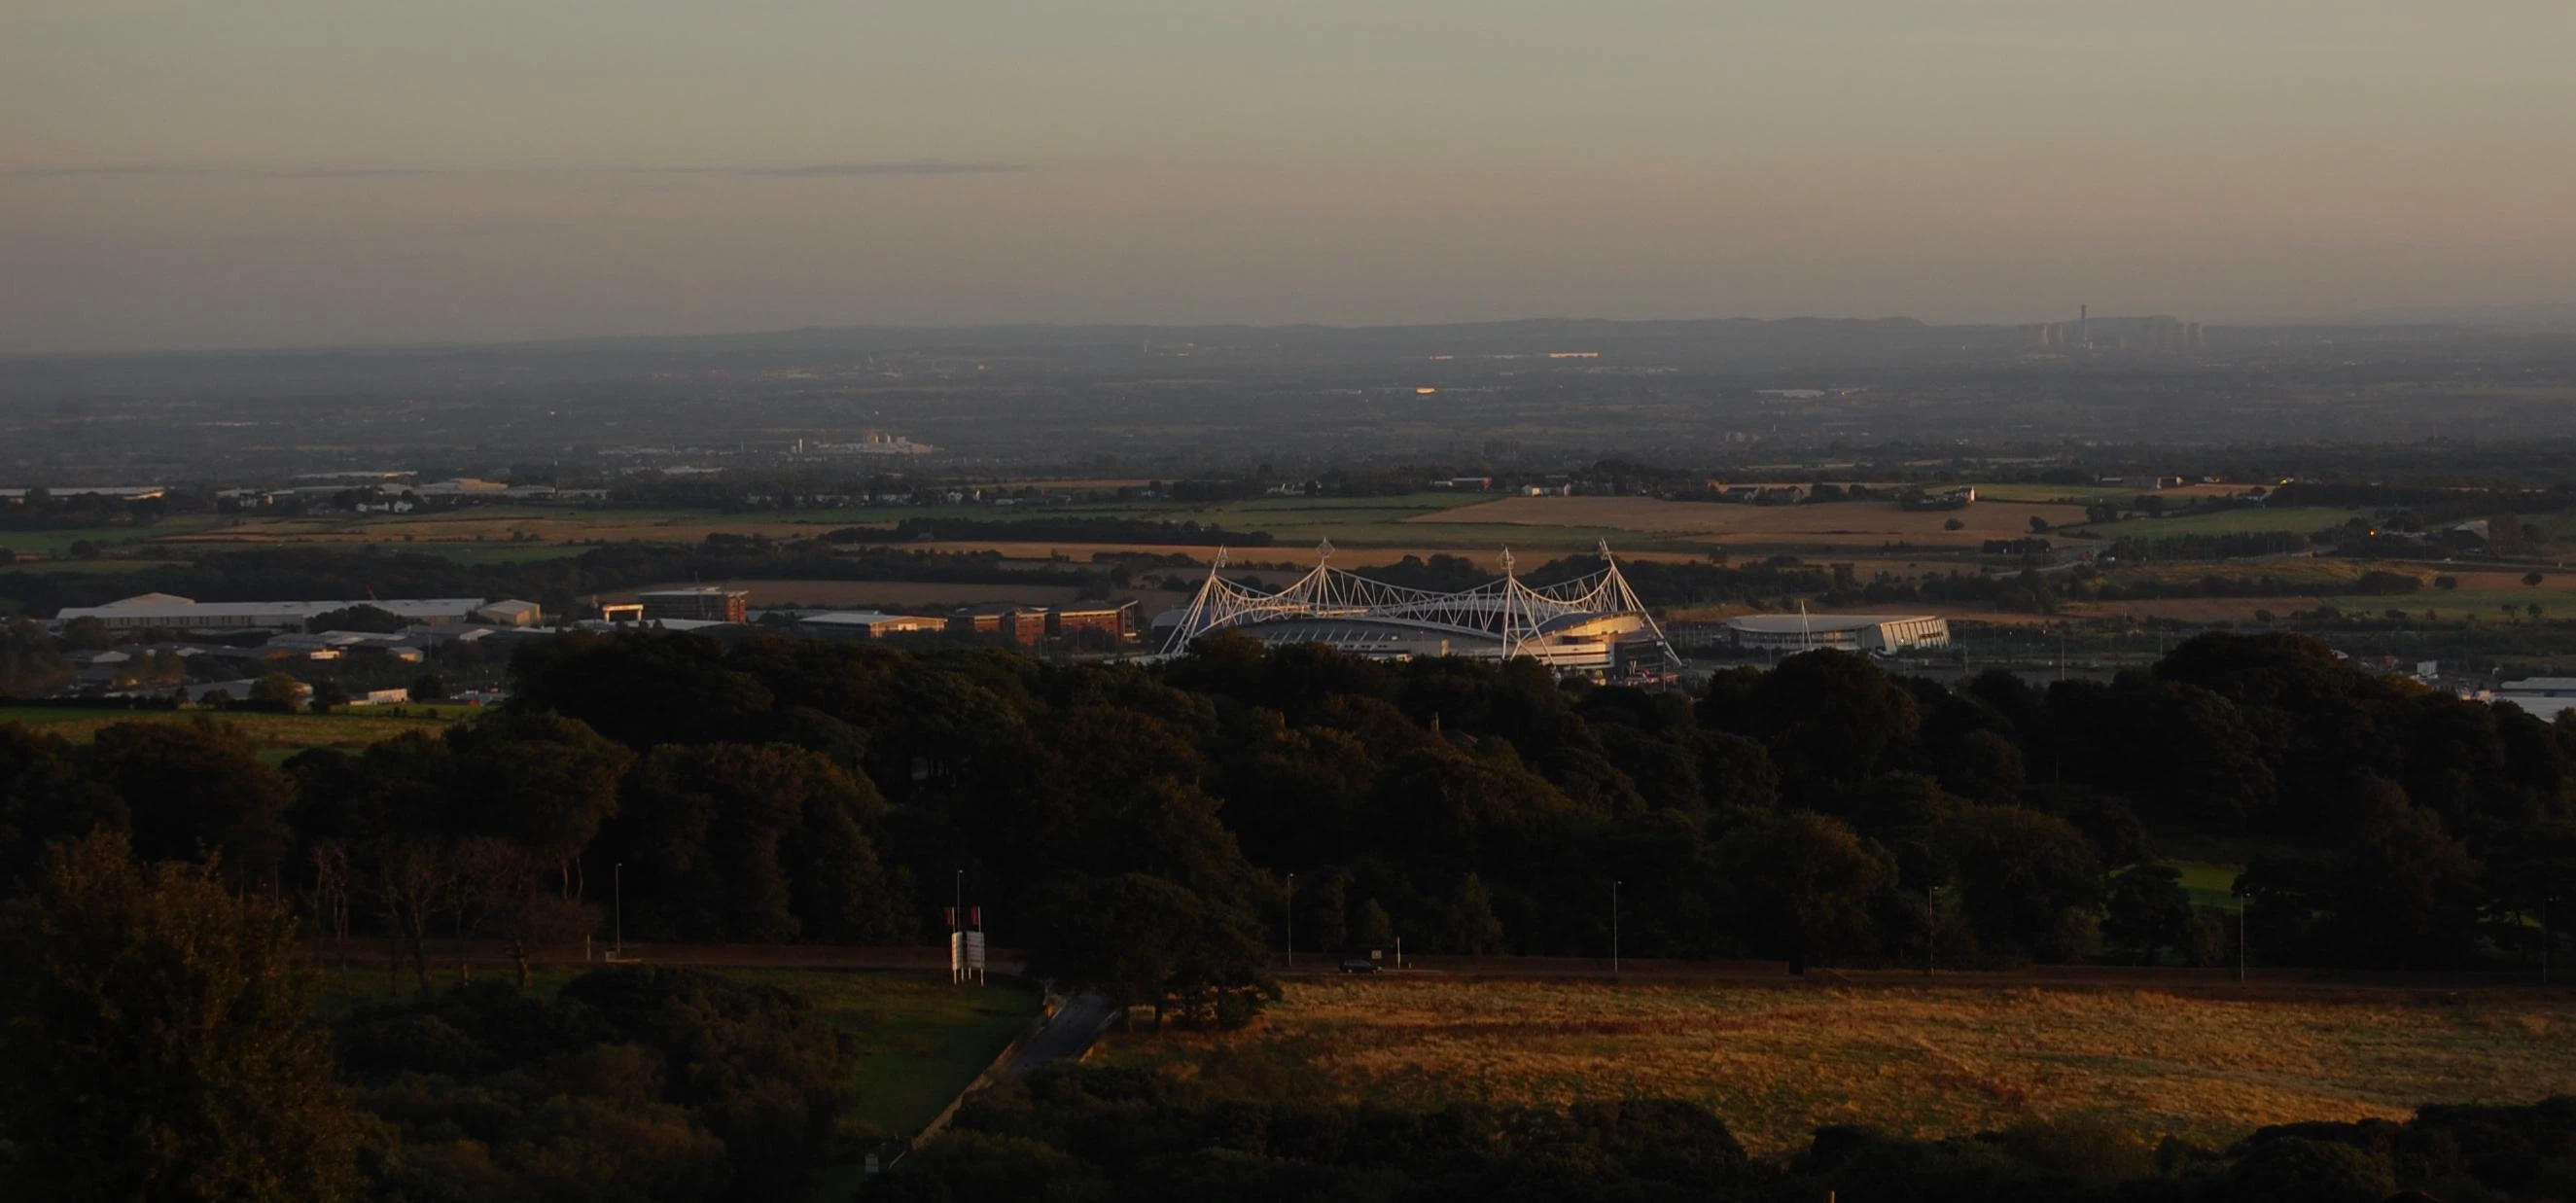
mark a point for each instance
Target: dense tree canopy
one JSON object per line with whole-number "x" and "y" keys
{"x": 765, "y": 789}
{"x": 161, "y": 1039}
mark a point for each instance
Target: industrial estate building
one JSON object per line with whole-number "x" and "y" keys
{"x": 872, "y": 623}
{"x": 511, "y": 614}
{"x": 1014, "y": 623}
{"x": 2541, "y": 697}
{"x": 1880, "y": 633}
{"x": 1593, "y": 624}
{"x": 1112, "y": 620}
{"x": 703, "y": 603}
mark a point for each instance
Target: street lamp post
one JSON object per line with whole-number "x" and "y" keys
{"x": 1614, "y": 927}
{"x": 2241, "y": 909}
{"x": 1932, "y": 930}
{"x": 617, "y": 949}
{"x": 1292, "y": 921}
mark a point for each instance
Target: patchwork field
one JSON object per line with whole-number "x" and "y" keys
{"x": 1840, "y": 524}
{"x": 1777, "y": 1063}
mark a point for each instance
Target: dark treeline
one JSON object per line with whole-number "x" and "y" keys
{"x": 1144, "y": 531}
{"x": 2239, "y": 545}
{"x": 43, "y": 510}
{"x": 2430, "y": 502}
{"x": 1076, "y": 1135}
{"x": 771, "y": 790}
{"x": 298, "y": 574}
{"x": 167, "y": 1042}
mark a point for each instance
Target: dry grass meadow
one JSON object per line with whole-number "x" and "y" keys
{"x": 1777, "y": 1063}
{"x": 899, "y": 595}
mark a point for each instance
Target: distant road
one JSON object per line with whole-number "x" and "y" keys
{"x": 1009, "y": 962}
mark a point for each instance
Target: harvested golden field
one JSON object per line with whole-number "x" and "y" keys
{"x": 1839, "y": 524}
{"x": 2195, "y": 609}
{"x": 1777, "y": 1063}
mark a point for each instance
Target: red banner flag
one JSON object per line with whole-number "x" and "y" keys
{"x": 952, "y": 916}
{"x": 975, "y": 915}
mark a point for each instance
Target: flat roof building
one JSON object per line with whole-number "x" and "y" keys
{"x": 872, "y": 623}
{"x": 2540, "y": 697}
{"x": 704, "y": 603}
{"x": 1881, "y": 633}
{"x": 512, "y": 614}
{"x": 1115, "y": 620}
{"x": 1022, "y": 625}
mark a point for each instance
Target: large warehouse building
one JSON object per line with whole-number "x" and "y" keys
{"x": 1593, "y": 624}
{"x": 1880, "y": 633}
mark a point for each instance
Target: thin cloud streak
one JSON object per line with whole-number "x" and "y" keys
{"x": 822, "y": 170}
{"x": 793, "y": 171}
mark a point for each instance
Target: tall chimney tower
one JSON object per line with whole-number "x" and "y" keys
{"x": 2084, "y": 325}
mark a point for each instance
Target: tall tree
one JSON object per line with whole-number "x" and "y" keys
{"x": 2147, "y": 911}
{"x": 1804, "y": 884}
{"x": 1144, "y": 941}
{"x": 165, "y": 1040}
{"x": 193, "y": 789}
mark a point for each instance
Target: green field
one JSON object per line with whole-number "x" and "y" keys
{"x": 920, "y": 1040}
{"x": 2297, "y": 519}
{"x": 2212, "y": 886}
{"x": 59, "y": 542}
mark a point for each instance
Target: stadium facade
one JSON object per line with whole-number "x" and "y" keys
{"x": 1593, "y": 624}
{"x": 1880, "y": 634}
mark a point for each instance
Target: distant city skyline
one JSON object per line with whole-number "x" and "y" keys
{"x": 309, "y": 173}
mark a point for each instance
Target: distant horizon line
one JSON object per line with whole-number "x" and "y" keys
{"x": 2459, "y": 316}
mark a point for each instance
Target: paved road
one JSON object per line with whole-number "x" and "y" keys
{"x": 1007, "y": 962}
{"x": 1076, "y": 1024}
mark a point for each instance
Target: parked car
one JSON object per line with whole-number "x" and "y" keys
{"x": 1359, "y": 965}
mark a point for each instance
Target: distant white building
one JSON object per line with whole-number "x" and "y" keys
{"x": 2541, "y": 697}
{"x": 511, "y": 614}
{"x": 1850, "y": 632}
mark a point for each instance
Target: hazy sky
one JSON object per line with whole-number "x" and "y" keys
{"x": 260, "y": 172}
